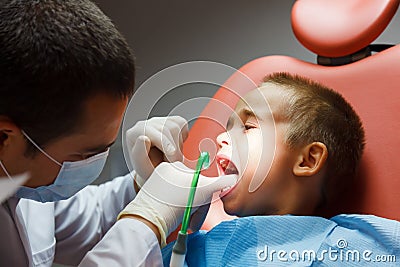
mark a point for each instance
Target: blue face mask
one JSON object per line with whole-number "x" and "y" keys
{"x": 73, "y": 177}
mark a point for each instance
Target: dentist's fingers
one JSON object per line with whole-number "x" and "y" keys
{"x": 160, "y": 141}
{"x": 214, "y": 184}
{"x": 153, "y": 129}
{"x": 207, "y": 186}
{"x": 176, "y": 130}
{"x": 166, "y": 138}
{"x": 183, "y": 135}
{"x": 165, "y": 133}
{"x": 142, "y": 163}
{"x": 183, "y": 125}
{"x": 161, "y": 124}
{"x": 173, "y": 137}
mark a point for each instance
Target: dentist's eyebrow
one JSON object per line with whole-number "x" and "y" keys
{"x": 100, "y": 148}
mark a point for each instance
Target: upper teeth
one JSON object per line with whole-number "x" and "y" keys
{"x": 224, "y": 163}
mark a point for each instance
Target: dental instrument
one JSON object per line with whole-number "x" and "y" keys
{"x": 179, "y": 249}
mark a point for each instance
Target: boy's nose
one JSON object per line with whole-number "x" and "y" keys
{"x": 223, "y": 139}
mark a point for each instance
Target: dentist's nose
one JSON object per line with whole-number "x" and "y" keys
{"x": 223, "y": 139}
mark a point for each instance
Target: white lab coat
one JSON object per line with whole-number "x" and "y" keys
{"x": 36, "y": 234}
{"x": 128, "y": 243}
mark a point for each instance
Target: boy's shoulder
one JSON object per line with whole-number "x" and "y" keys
{"x": 238, "y": 241}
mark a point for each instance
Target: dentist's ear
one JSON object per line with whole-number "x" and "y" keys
{"x": 311, "y": 159}
{"x": 7, "y": 129}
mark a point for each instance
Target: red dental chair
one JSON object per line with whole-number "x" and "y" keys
{"x": 340, "y": 32}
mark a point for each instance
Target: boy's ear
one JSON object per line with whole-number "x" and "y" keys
{"x": 7, "y": 129}
{"x": 311, "y": 159}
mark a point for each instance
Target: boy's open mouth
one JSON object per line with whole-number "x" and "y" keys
{"x": 225, "y": 166}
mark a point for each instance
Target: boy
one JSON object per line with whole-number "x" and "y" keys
{"x": 318, "y": 143}
{"x": 294, "y": 144}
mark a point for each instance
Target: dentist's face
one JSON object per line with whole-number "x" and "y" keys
{"x": 101, "y": 118}
{"x": 254, "y": 147}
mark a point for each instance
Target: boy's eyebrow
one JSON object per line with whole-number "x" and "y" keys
{"x": 249, "y": 113}
{"x": 244, "y": 112}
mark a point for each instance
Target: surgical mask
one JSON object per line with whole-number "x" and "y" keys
{"x": 9, "y": 185}
{"x": 72, "y": 177}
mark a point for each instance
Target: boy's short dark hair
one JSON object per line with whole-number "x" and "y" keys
{"x": 54, "y": 56}
{"x": 316, "y": 113}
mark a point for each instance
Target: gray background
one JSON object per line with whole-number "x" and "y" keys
{"x": 164, "y": 33}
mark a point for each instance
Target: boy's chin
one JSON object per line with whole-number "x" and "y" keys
{"x": 230, "y": 208}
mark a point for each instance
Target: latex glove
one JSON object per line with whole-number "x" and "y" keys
{"x": 163, "y": 198}
{"x": 153, "y": 141}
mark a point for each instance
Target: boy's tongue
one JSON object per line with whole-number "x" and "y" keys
{"x": 228, "y": 167}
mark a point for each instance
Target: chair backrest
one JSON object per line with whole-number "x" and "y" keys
{"x": 371, "y": 85}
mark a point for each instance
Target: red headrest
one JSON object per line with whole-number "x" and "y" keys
{"x": 340, "y": 27}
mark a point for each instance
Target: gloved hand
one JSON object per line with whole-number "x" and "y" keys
{"x": 163, "y": 198}
{"x": 153, "y": 141}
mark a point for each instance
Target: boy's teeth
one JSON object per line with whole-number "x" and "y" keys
{"x": 226, "y": 189}
{"x": 224, "y": 164}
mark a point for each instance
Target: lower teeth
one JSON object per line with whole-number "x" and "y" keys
{"x": 226, "y": 189}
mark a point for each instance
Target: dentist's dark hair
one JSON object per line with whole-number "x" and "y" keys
{"x": 54, "y": 56}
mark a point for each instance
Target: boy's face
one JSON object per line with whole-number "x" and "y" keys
{"x": 254, "y": 147}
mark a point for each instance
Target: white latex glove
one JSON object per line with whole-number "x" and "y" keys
{"x": 164, "y": 133}
{"x": 163, "y": 198}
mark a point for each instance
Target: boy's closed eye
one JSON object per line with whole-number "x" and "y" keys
{"x": 250, "y": 123}
{"x": 249, "y": 126}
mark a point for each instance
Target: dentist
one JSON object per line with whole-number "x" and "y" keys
{"x": 66, "y": 77}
